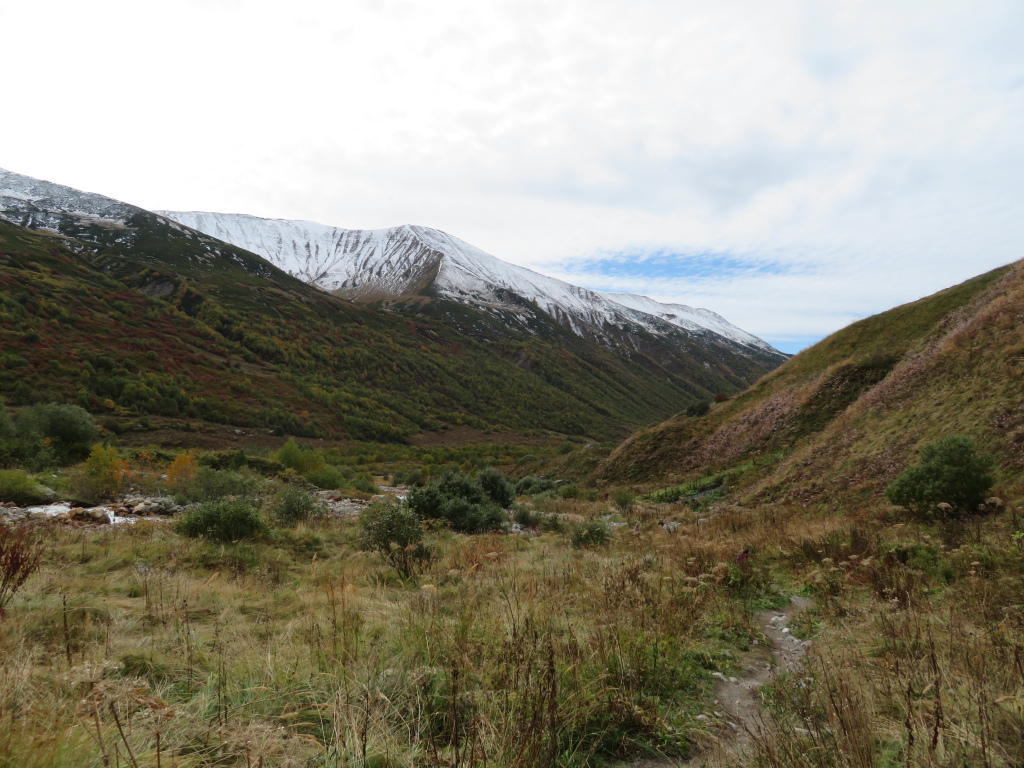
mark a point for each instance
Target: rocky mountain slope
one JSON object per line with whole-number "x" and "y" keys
{"x": 838, "y": 421}
{"x": 119, "y": 308}
{"x": 403, "y": 262}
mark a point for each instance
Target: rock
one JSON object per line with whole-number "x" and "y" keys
{"x": 733, "y": 680}
{"x": 718, "y": 676}
{"x": 99, "y": 515}
{"x": 330, "y": 495}
{"x": 703, "y": 718}
{"x": 48, "y": 494}
{"x": 148, "y": 507}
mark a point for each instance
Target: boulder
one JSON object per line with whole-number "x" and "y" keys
{"x": 148, "y": 507}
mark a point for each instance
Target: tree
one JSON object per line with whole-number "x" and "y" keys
{"x": 951, "y": 480}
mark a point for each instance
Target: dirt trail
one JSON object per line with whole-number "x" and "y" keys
{"x": 736, "y": 696}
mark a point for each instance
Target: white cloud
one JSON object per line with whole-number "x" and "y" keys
{"x": 877, "y": 142}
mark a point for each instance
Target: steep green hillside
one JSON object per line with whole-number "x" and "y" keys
{"x": 839, "y": 420}
{"x": 154, "y": 319}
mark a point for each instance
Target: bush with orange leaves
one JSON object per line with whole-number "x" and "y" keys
{"x": 181, "y": 472}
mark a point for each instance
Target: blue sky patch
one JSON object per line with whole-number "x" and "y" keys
{"x": 670, "y": 264}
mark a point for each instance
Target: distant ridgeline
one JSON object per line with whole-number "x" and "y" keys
{"x": 114, "y": 307}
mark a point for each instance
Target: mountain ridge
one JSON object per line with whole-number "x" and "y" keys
{"x": 395, "y": 263}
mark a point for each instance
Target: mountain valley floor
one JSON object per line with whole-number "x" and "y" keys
{"x": 588, "y": 626}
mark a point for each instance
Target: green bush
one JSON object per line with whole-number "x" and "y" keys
{"x": 526, "y": 517}
{"x": 46, "y": 435}
{"x": 460, "y": 501}
{"x": 329, "y": 478}
{"x": 364, "y": 482}
{"x": 395, "y": 533}
{"x": 569, "y": 491}
{"x": 210, "y": 484}
{"x": 950, "y": 481}
{"x": 302, "y": 460}
{"x": 70, "y": 429}
{"x": 293, "y": 504}
{"x": 591, "y": 533}
{"x": 466, "y": 517}
{"x": 698, "y": 409}
{"x": 222, "y": 520}
{"x": 18, "y": 487}
{"x": 409, "y": 478}
{"x": 497, "y": 487}
{"x": 529, "y": 486}
{"x": 623, "y": 499}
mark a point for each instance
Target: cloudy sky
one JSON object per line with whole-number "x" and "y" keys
{"x": 791, "y": 165}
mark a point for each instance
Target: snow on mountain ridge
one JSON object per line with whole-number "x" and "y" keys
{"x": 16, "y": 187}
{"x": 399, "y": 261}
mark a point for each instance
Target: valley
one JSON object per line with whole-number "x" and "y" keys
{"x": 262, "y": 508}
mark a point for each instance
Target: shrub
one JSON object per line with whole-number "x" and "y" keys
{"x": 950, "y": 481}
{"x": 21, "y": 552}
{"x": 529, "y": 486}
{"x": 302, "y": 460}
{"x": 328, "y": 478}
{"x": 698, "y": 409}
{"x": 591, "y": 533}
{"x": 101, "y": 476}
{"x": 181, "y": 472}
{"x": 210, "y": 484}
{"x": 497, "y": 487}
{"x": 466, "y": 517}
{"x": 69, "y": 428}
{"x": 18, "y": 487}
{"x": 395, "y": 533}
{"x": 293, "y": 504}
{"x": 460, "y": 501}
{"x": 364, "y": 482}
{"x": 222, "y": 520}
{"x": 410, "y": 478}
{"x": 623, "y": 499}
{"x": 526, "y": 517}
{"x": 569, "y": 491}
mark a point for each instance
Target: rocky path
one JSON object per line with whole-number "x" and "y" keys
{"x": 738, "y": 710}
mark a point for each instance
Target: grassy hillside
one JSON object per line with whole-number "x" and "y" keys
{"x": 151, "y": 320}
{"x": 839, "y": 420}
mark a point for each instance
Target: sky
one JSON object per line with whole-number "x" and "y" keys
{"x": 793, "y": 166}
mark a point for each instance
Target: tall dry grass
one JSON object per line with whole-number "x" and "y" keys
{"x": 136, "y": 647}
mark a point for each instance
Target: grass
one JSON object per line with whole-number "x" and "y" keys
{"x": 301, "y": 648}
{"x": 918, "y": 649}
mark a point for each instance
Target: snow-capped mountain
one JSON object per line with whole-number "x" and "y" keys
{"x": 99, "y": 220}
{"x": 400, "y": 262}
{"x": 44, "y": 201}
